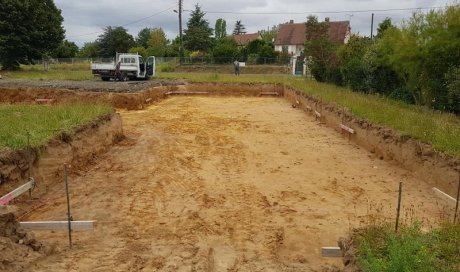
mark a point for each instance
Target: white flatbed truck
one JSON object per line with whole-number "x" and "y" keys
{"x": 126, "y": 67}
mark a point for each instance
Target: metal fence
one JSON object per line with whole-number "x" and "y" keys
{"x": 185, "y": 60}
{"x": 176, "y": 64}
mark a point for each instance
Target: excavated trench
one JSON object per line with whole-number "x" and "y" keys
{"x": 238, "y": 179}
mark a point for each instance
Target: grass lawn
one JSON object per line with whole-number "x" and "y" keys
{"x": 42, "y": 122}
{"x": 78, "y": 71}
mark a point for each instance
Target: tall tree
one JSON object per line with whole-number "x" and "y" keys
{"x": 157, "y": 43}
{"x": 270, "y": 34}
{"x": 198, "y": 33}
{"x": 423, "y": 51}
{"x": 65, "y": 50}
{"x": 173, "y": 48}
{"x": 225, "y": 50}
{"x": 143, "y": 37}
{"x": 325, "y": 65}
{"x": 353, "y": 63}
{"x": 239, "y": 28}
{"x": 315, "y": 30}
{"x": 89, "y": 50}
{"x": 383, "y": 26}
{"x": 28, "y": 30}
{"x": 220, "y": 30}
{"x": 113, "y": 40}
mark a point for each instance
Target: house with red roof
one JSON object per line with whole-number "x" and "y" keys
{"x": 291, "y": 37}
{"x": 245, "y": 39}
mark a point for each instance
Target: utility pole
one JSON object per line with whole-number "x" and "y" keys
{"x": 181, "y": 49}
{"x": 372, "y": 26}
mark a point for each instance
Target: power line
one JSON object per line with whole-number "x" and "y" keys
{"x": 127, "y": 24}
{"x": 321, "y": 12}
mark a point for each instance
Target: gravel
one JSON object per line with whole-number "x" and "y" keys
{"x": 90, "y": 85}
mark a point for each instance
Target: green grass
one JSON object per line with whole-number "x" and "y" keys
{"x": 442, "y": 130}
{"x": 411, "y": 249}
{"x": 78, "y": 71}
{"x": 42, "y": 122}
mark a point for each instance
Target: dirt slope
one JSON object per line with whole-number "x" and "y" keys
{"x": 224, "y": 184}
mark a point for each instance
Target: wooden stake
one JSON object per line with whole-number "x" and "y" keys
{"x": 458, "y": 198}
{"x": 398, "y": 211}
{"x": 69, "y": 216}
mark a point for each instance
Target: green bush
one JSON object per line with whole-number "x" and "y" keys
{"x": 453, "y": 89}
{"x": 167, "y": 67}
{"x": 252, "y": 58}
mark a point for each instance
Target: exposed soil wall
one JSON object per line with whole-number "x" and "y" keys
{"x": 435, "y": 168}
{"x": 45, "y": 164}
{"x": 241, "y": 89}
{"x": 134, "y": 100}
{"x": 126, "y": 100}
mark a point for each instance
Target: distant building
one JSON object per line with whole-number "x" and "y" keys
{"x": 291, "y": 37}
{"x": 245, "y": 39}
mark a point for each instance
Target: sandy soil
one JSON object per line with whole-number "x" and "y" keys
{"x": 224, "y": 184}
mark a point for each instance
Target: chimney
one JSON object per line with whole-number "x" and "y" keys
{"x": 326, "y": 19}
{"x": 291, "y": 21}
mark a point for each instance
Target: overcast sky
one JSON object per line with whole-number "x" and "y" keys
{"x": 84, "y": 19}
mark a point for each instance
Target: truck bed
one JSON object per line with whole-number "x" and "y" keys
{"x": 103, "y": 66}
{"x": 111, "y": 66}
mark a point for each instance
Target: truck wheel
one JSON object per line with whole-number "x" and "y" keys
{"x": 105, "y": 78}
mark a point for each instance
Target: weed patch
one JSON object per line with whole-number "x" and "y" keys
{"x": 411, "y": 249}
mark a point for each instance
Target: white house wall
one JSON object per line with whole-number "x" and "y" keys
{"x": 294, "y": 50}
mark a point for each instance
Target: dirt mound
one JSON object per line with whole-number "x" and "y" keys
{"x": 18, "y": 248}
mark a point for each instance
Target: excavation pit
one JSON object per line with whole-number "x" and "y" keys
{"x": 224, "y": 182}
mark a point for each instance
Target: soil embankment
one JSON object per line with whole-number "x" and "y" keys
{"x": 45, "y": 164}
{"x": 120, "y": 94}
{"x": 435, "y": 168}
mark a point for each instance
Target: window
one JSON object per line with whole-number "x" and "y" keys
{"x": 128, "y": 60}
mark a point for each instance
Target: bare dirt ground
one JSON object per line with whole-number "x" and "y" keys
{"x": 224, "y": 184}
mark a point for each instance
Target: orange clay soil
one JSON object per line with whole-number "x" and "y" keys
{"x": 219, "y": 183}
